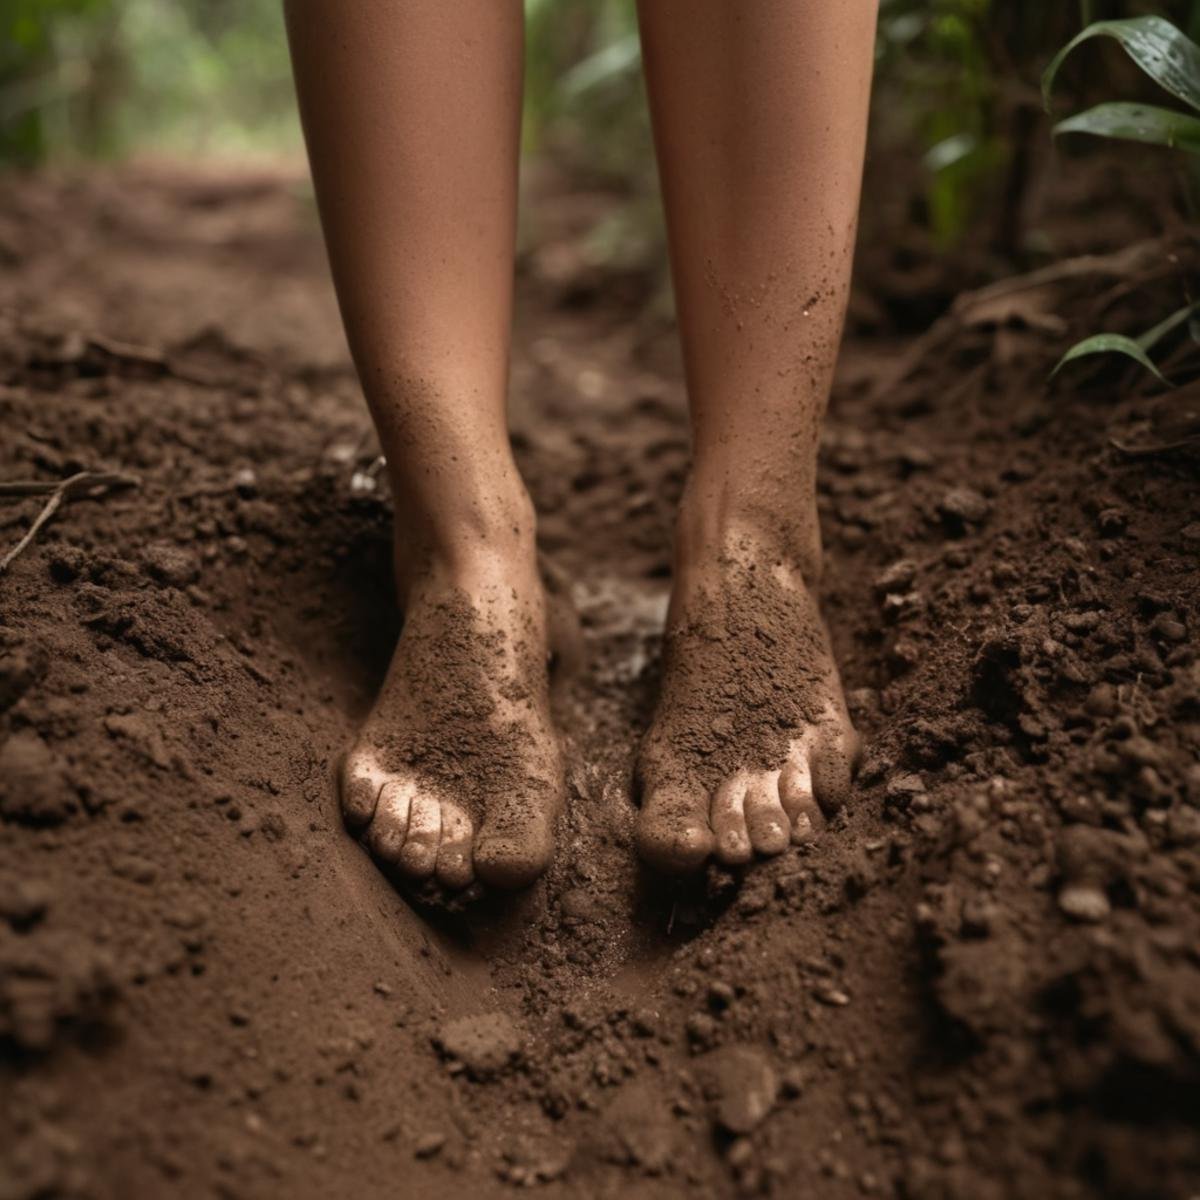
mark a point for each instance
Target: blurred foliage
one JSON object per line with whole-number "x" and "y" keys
{"x": 103, "y": 77}
{"x": 585, "y": 108}
{"x": 583, "y": 88}
{"x": 957, "y": 81}
{"x": 956, "y": 93}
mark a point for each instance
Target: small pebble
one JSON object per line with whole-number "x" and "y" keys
{"x": 896, "y": 578}
{"x": 963, "y": 506}
{"x": 429, "y": 1145}
{"x": 1168, "y": 628}
{"x": 1084, "y": 902}
{"x": 832, "y": 996}
{"x": 742, "y": 1085}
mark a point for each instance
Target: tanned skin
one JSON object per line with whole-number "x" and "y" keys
{"x": 411, "y": 113}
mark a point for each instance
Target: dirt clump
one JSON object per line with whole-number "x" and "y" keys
{"x": 482, "y": 1045}
{"x": 740, "y": 1083}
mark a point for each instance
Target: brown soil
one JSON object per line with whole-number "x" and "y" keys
{"x": 981, "y": 982}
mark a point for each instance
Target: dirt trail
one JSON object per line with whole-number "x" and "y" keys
{"x": 982, "y": 982}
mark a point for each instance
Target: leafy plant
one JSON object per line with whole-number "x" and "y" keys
{"x": 102, "y": 77}
{"x": 1136, "y": 348}
{"x": 1168, "y": 57}
{"x": 1172, "y": 60}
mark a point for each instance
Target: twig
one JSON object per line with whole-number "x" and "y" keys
{"x": 127, "y": 352}
{"x": 84, "y": 481}
{"x": 1154, "y": 448}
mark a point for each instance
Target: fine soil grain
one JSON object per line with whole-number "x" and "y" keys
{"x": 981, "y": 981}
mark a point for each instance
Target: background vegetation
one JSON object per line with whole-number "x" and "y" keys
{"x": 956, "y": 93}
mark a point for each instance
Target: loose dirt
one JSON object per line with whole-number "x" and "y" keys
{"x": 749, "y": 671}
{"x": 982, "y": 981}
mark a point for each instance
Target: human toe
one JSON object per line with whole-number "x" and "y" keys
{"x": 672, "y": 832}
{"x": 833, "y": 763}
{"x": 453, "y": 868}
{"x": 728, "y": 817}
{"x": 516, "y": 841}
{"x": 797, "y": 797}
{"x": 418, "y": 856}
{"x": 767, "y": 823}
{"x": 389, "y": 824}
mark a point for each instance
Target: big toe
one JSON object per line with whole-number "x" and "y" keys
{"x": 673, "y": 834}
{"x": 834, "y": 763}
{"x": 767, "y": 822}
{"x": 516, "y": 842}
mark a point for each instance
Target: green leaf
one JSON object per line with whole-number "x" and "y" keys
{"x": 1136, "y": 123}
{"x": 1106, "y": 343}
{"x": 1154, "y": 335}
{"x": 1170, "y": 58}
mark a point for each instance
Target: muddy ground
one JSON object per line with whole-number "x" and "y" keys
{"x": 983, "y": 982}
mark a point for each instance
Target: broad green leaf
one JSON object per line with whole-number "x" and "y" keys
{"x": 1106, "y": 343}
{"x": 1137, "y": 123}
{"x": 1170, "y": 58}
{"x": 1154, "y": 335}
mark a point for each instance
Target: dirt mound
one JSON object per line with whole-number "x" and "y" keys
{"x": 982, "y": 981}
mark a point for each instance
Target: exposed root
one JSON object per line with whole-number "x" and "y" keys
{"x": 74, "y": 485}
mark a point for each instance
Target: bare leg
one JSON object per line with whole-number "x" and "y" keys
{"x": 759, "y": 115}
{"x": 412, "y": 116}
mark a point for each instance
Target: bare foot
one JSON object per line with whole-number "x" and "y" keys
{"x": 457, "y": 772}
{"x": 751, "y": 747}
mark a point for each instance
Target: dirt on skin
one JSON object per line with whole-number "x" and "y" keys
{"x": 458, "y": 716}
{"x": 981, "y": 981}
{"x": 747, "y": 670}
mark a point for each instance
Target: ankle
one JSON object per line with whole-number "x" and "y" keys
{"x": 720, "y": 525}
{"x": 471, "y": 546}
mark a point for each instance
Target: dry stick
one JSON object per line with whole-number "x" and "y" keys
{"x": 82, "y": 482}
{"x": 1154, "y": 448}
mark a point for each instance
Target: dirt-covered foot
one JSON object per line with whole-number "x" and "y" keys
{"x": 751, "y": 747}
{"x": 457, "y": 772}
